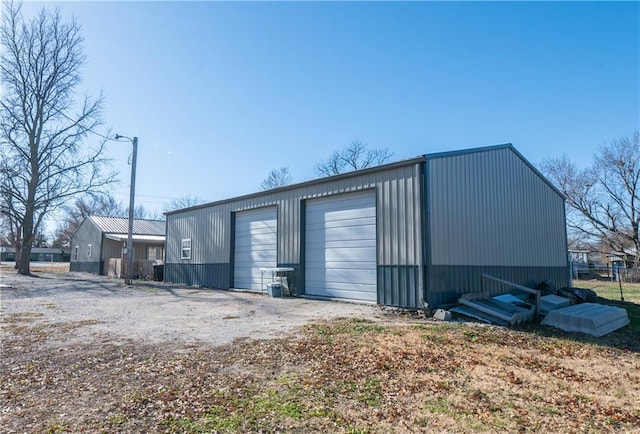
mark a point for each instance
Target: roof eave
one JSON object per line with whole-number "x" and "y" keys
{"x": 389, "y": 166}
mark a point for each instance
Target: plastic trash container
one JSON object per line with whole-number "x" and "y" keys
{"x": 274, "y": 289}
{"x": 158, "y": 272}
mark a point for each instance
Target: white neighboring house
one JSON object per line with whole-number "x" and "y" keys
{"x": 579, "y": 262}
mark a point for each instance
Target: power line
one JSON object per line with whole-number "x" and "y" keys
{"x": 94, "y": 132}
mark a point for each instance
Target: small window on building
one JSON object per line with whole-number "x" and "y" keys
{"x": 75, "y": 253}
{"x": 186, "y": 248}
{"x": 152, "y": 253}
{"x": 89, "y": 250}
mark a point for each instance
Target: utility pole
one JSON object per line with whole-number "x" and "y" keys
{"x": 129, "y": 270}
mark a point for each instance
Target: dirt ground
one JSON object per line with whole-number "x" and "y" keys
{"x": 154, "y": 312}
{"x": 84, "y": 353}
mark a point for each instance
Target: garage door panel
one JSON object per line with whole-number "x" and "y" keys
{"x": 356, "y": 234}
{"x": 341, "y": 244}
{"x": 255, "y": 246}
{"x": 350, "y": 255}
{"x": 347, "y": 201}
{"x": 330, "y": 289}
{"x": 264, "y": 235}
{"x": 355, "y": 292}
{"x": 323, "y": 217}
{"x": 364, "y": 233}
{"x": 341, "y": 247}
{"x": 342, "y": 223}
{"x": 369, "y": 265}
{"x": 262, "y": 248}
{"x": 348, "y": 275}
{"x": 336, "y": 270}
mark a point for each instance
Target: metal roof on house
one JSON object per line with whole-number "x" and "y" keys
{"x": 119, "y": 225}
{"x": 145, "y": 238}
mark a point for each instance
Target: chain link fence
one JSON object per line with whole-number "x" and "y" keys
{"x": 581, "y": 271}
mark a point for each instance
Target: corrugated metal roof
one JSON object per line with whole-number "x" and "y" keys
{"x": 306, "y": 184}
{"x": 118, "y": 225}
{"x": 147, "y": 238}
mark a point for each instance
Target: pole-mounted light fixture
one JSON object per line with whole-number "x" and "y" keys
{"x": 129, "y": 269}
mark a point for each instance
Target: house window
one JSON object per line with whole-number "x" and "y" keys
{"x": 75, "y": 253}
{"x": 152, "y": 253}
{"x": 88, "y": 250}
{"x": 186, "y": 248}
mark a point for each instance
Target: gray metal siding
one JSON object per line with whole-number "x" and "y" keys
{"x": 207, "y": 275}
{"x": 490, "y": 212}
{"x": 112, "y": 249}
{"x": 87, "y": 234}
{"x": 397, "y": 282}
{"x": 448, "y": 283}
{"x": 491, "y": 209}
{"x": 86, "y": 267}
{"x": 399, "y": 208}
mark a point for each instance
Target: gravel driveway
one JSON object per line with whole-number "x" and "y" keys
{"x": 154, "y": 312}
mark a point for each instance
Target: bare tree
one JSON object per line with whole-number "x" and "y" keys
{"x": 43, "y": 130}
{"x": 354, "y": 156}
{"x": 604, "y": 199}
{"x": 276, "y": 178}
{"x": 186, "y": 201}
{"x": 103, "y": 205}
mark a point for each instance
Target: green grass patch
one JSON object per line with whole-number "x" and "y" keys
{"x": 610, "y": 293}
{"x": 57, "y": 427}
{"x": 351, "y": 326}
{"x": 371, "y": 392}
{"x": 357, "y": 430}
{"x": 611, "y": 290}
{"x": 439, "y": 406}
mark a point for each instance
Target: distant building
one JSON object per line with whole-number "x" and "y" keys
{"x": 411, "y": 233}
{"x": 623, "y": 259}
{"x": 98, "y": 245}
{"x": 579, "y": 262}
{"x": 579, "y": 256}
{"x": 39, "y": 254}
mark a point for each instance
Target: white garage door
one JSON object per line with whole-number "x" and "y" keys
{"x": 255, "y": 246}
{"x": 341, "y": 247}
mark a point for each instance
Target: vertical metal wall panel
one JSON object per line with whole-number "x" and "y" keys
{"x": 396, "y": 201}
{"x": 491, "y": 209}
{"x": 113, "y": 249}
{"x": 207, "y": 275}
{"x": 398, "y": 217}
{"x": 448, "y": 283}
{"x": 87, "y": 233}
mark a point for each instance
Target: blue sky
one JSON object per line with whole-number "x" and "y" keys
{"x": 221, "y": 93}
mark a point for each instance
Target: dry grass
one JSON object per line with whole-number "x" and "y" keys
{"x": 351, "y": 376}
{"x": 38, "y": 267}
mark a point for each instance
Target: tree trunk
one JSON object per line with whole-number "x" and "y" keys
{"x": 27, "y": 243}
{"x": 25, "y": 256}
{"x": 18, "y": 247}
